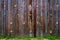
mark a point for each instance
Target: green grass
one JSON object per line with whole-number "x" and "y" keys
{"x": 2, "y": 37}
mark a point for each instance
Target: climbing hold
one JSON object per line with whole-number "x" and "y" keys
{"x": 4, "y": 6}
{"x": 15, "y": 5}
{"x": 5, "y": 14}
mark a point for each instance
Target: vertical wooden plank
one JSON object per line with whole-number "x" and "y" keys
{"x": 34, "y": 14}
{"x": 2, "y": 5}
{"x": 15, "y": 17}
{"x": 1, "y": 17}
{"x": 38, "y": 18}
{"x": 56, "y": 15}
{"x": 8, "y": 17}
{"x": 10, "y": 32}
{"x": 21, "y": 17}
{"x": 30, "y": 18}
{"x": 26, "y": 27}
{"x": 42, "y": 18}
{"x": 59, "y": 18}
{"x": 52, "y": 17}
{"x": 5, "y": 17}
{"x": 49, "y": 16}
{"x": 46, "y": 20}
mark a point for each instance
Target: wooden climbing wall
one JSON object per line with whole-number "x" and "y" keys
{"x": 30, "y": 17}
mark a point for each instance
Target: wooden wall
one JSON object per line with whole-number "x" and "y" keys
{"x": 29, "y": 17}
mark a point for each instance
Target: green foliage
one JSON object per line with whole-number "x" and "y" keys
{"x": 2, "y": 36}
{"x": 10, "y": 36}
{"x": 29, "y": 38}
